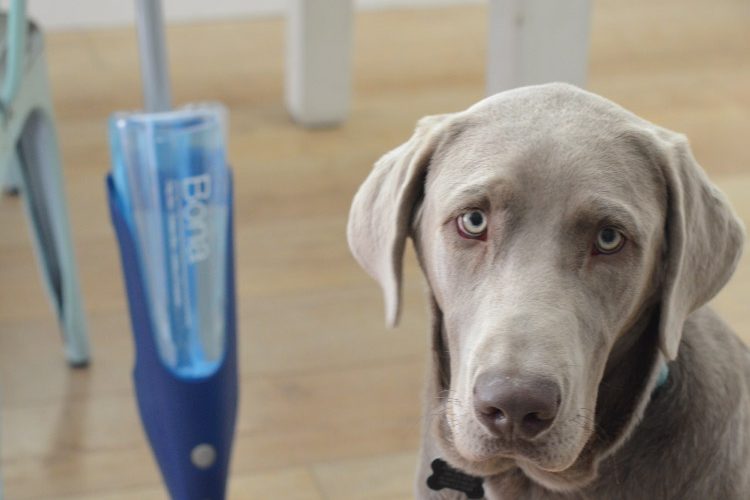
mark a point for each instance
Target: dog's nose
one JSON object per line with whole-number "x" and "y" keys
{"x": 509, "y": 405}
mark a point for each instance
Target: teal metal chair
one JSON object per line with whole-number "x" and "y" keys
{"x": 30, "y": 162}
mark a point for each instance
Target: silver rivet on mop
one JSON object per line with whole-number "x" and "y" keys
{"x": 203, "y": 456}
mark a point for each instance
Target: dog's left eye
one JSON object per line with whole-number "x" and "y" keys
{"x": 472, "y": 224}
{"x": 608, "y": 241}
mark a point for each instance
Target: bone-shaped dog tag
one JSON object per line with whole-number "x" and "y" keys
{"x": 445, "y": 476}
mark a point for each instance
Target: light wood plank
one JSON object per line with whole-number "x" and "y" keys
{"x": 383, "y": 477}
{"x": 295, "y": 483}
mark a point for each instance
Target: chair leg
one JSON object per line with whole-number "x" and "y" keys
{"x": 318, "y": 61}
{"x": 44, "y": 197}
{"x": 537, "y": 41}
{"x": 11, "y": 184}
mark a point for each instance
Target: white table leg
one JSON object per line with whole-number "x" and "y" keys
{"x": 318, "y": 61}
{"x": 537, "y": 41}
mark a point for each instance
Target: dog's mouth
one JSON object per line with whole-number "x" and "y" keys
{"x": 480, "y": 453}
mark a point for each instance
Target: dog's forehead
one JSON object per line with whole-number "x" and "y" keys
{"x": 551, "y": 155}
{"x": 565, "y": 147}
{"x": 555, "y": 104}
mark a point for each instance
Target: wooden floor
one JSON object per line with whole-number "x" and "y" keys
{"x": 330, "y": 400}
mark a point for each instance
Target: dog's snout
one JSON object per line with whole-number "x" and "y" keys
{"x": 508, "y": 405}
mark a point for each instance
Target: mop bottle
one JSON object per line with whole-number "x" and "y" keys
{"x": 171, "y": 174}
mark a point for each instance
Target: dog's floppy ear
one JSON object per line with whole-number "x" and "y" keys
{"x": 704, "y": 238}
{"x": 381, "y": 211}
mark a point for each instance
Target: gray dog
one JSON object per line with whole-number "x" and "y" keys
{"x": 569, "y": 248}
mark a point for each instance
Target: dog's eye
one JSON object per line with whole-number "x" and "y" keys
{"x": 608, "y": 241}
{"x": 472, "y": 224}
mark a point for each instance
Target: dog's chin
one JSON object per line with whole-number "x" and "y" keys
{"x": 536, "y": 467}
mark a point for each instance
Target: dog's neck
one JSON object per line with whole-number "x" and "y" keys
{"x": 630, "y": 342}
{"x": 635, "y": 368}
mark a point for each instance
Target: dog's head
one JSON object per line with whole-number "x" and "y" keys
{"x": 555, "y": 230}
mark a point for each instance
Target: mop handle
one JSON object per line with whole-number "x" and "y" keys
{"x": 153, "y": 56}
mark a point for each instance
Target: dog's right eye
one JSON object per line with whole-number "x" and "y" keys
{"x": 472, "y": 225}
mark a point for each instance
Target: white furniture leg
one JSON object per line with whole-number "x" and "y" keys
{"x": 318, "y": 61}
{"x": 537, "y": 41}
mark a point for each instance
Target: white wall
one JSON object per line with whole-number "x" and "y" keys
{"x": 71, "y": 14}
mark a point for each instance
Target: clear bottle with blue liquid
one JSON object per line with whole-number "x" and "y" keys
{"x": 171, "y": 174}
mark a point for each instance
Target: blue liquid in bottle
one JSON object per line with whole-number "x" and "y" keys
{"x": 170, "y": 170}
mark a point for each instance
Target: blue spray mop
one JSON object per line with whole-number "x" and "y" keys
{"x": 170, "y": 196}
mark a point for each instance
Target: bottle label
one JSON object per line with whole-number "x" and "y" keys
{"x": 196, "y": 192}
